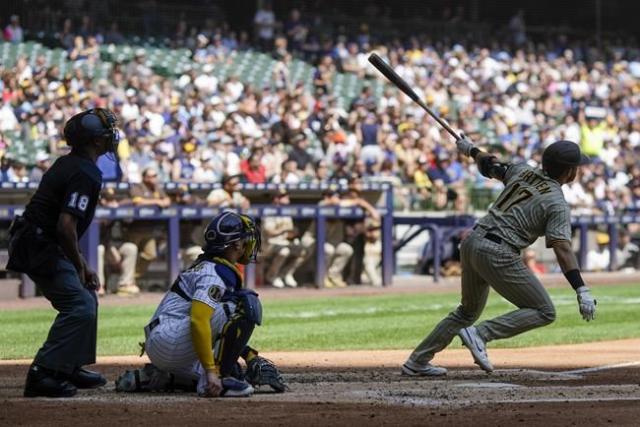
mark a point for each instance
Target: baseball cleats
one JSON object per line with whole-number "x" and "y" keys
{"x": 475, "y": 344}
{"x": 413, "y": 369}
{"x": 232, "y": 387}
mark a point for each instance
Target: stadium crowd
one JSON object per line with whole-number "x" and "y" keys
{"x": 515, "y": 98}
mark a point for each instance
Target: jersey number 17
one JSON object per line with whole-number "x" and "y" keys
{"x": 510, "y": 198}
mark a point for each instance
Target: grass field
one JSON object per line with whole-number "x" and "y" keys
{"x": 347, "y": 323}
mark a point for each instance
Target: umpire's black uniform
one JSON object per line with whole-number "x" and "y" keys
{"x": 71, "y": 186}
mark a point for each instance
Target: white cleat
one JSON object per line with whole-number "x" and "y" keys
{"x": 277, "y": 283}
{"x": 290, "y": 281}
{"x": 475, "y": 344}
{"x": 413, "y": 369}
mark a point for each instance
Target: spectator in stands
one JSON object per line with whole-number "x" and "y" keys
{"x": 289, "y": 173}
{"x": 265, "y": 24}
{"x": 282, "y": 249}
{"x": 598, "y": 258}
{"x": 13, "y": 32}
{"x": 321, "y": 169}
{"x": 296, "y": 30}
{"x": 18, "y": 171}
{"x": 300, "y": 152}
{"x": 43, "y": 161}
{"x": 145, "y": 234}
{"x": 5, "y": 169}
{"x": 252, "y": 168}
{"x": 229, "y": 196}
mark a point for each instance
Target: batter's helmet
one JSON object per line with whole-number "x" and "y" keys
{"x": 94, "y": 123}
{"x": 563, "y": 153}
{"x": 229, "y": 227}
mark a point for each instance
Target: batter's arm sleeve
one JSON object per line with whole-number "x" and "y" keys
{"x": 201, "y": 314}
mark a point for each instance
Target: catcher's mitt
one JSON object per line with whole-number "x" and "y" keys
{"x": 261, "y": 371}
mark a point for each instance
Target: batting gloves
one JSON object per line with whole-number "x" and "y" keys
{"x": 464, "y": 146}
{"x": 586, "y": 303}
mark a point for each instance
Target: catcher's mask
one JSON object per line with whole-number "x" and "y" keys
{"x": 94, "y": 123}
{"x": 229, "y": 227}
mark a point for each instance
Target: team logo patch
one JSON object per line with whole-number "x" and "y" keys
{"x": 215, "y": 293}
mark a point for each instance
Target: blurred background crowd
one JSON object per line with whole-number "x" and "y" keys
{"x": 505, "y": 89}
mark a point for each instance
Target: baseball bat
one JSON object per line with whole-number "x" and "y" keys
{"x": 401, "y": 84}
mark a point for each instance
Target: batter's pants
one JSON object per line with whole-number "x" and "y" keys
{"x": 486, "y": 263}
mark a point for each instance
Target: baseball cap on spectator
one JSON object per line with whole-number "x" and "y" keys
{"x": 602, "y": 238}
{"x": 226, "y": 178}
{"x": 339, "y": 137}
{"x": 41, "y": 156}
{"x": 226, "y": 139}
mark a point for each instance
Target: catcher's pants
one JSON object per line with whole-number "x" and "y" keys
{"x": 71, "y": 342}
{"x": 487, "y": 263}
{"x": 170, "y": 348}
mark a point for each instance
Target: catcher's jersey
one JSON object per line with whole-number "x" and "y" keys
{"x": 206, "y": 281}
{"x": 531, "y": 205}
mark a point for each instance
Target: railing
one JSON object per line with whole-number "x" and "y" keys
{"x": 172, "y": 216}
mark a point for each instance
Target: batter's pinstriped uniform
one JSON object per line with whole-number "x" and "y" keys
{"x": 168, "y": 335}
{"x": 530, "y": 206}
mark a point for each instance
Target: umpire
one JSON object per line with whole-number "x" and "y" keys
{"x": 44, "y": 245}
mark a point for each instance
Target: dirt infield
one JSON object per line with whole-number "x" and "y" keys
{"x": 594, "y": 384}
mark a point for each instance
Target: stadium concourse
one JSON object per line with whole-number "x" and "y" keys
{"x": 206, "y": 102}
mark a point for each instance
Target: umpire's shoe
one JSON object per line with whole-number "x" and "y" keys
{"x": 42, "y": 382}
{"x": 84, "y": 378}
{"x": 475, "y": 344}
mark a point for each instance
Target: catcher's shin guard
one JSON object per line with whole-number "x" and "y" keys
{"x": 234, "y": 338}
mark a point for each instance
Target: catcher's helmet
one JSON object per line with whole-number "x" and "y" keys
{"x": 94, "y": 123}
{"x": 228, "y": 227}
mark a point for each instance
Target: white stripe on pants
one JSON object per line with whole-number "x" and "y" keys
{"x": 486, "y": 263}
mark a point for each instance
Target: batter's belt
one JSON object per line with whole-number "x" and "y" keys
{"x": 494, "y": 237}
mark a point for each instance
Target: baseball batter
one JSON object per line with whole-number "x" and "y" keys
{"x": 531, "y": 205}
{"x": 204, "y": 323}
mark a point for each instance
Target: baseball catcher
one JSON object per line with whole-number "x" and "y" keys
{"x": 203, "y": 324}
{"x": 531, "y": 205}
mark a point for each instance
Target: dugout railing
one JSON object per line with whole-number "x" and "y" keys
{"x": 304, "y": 196}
